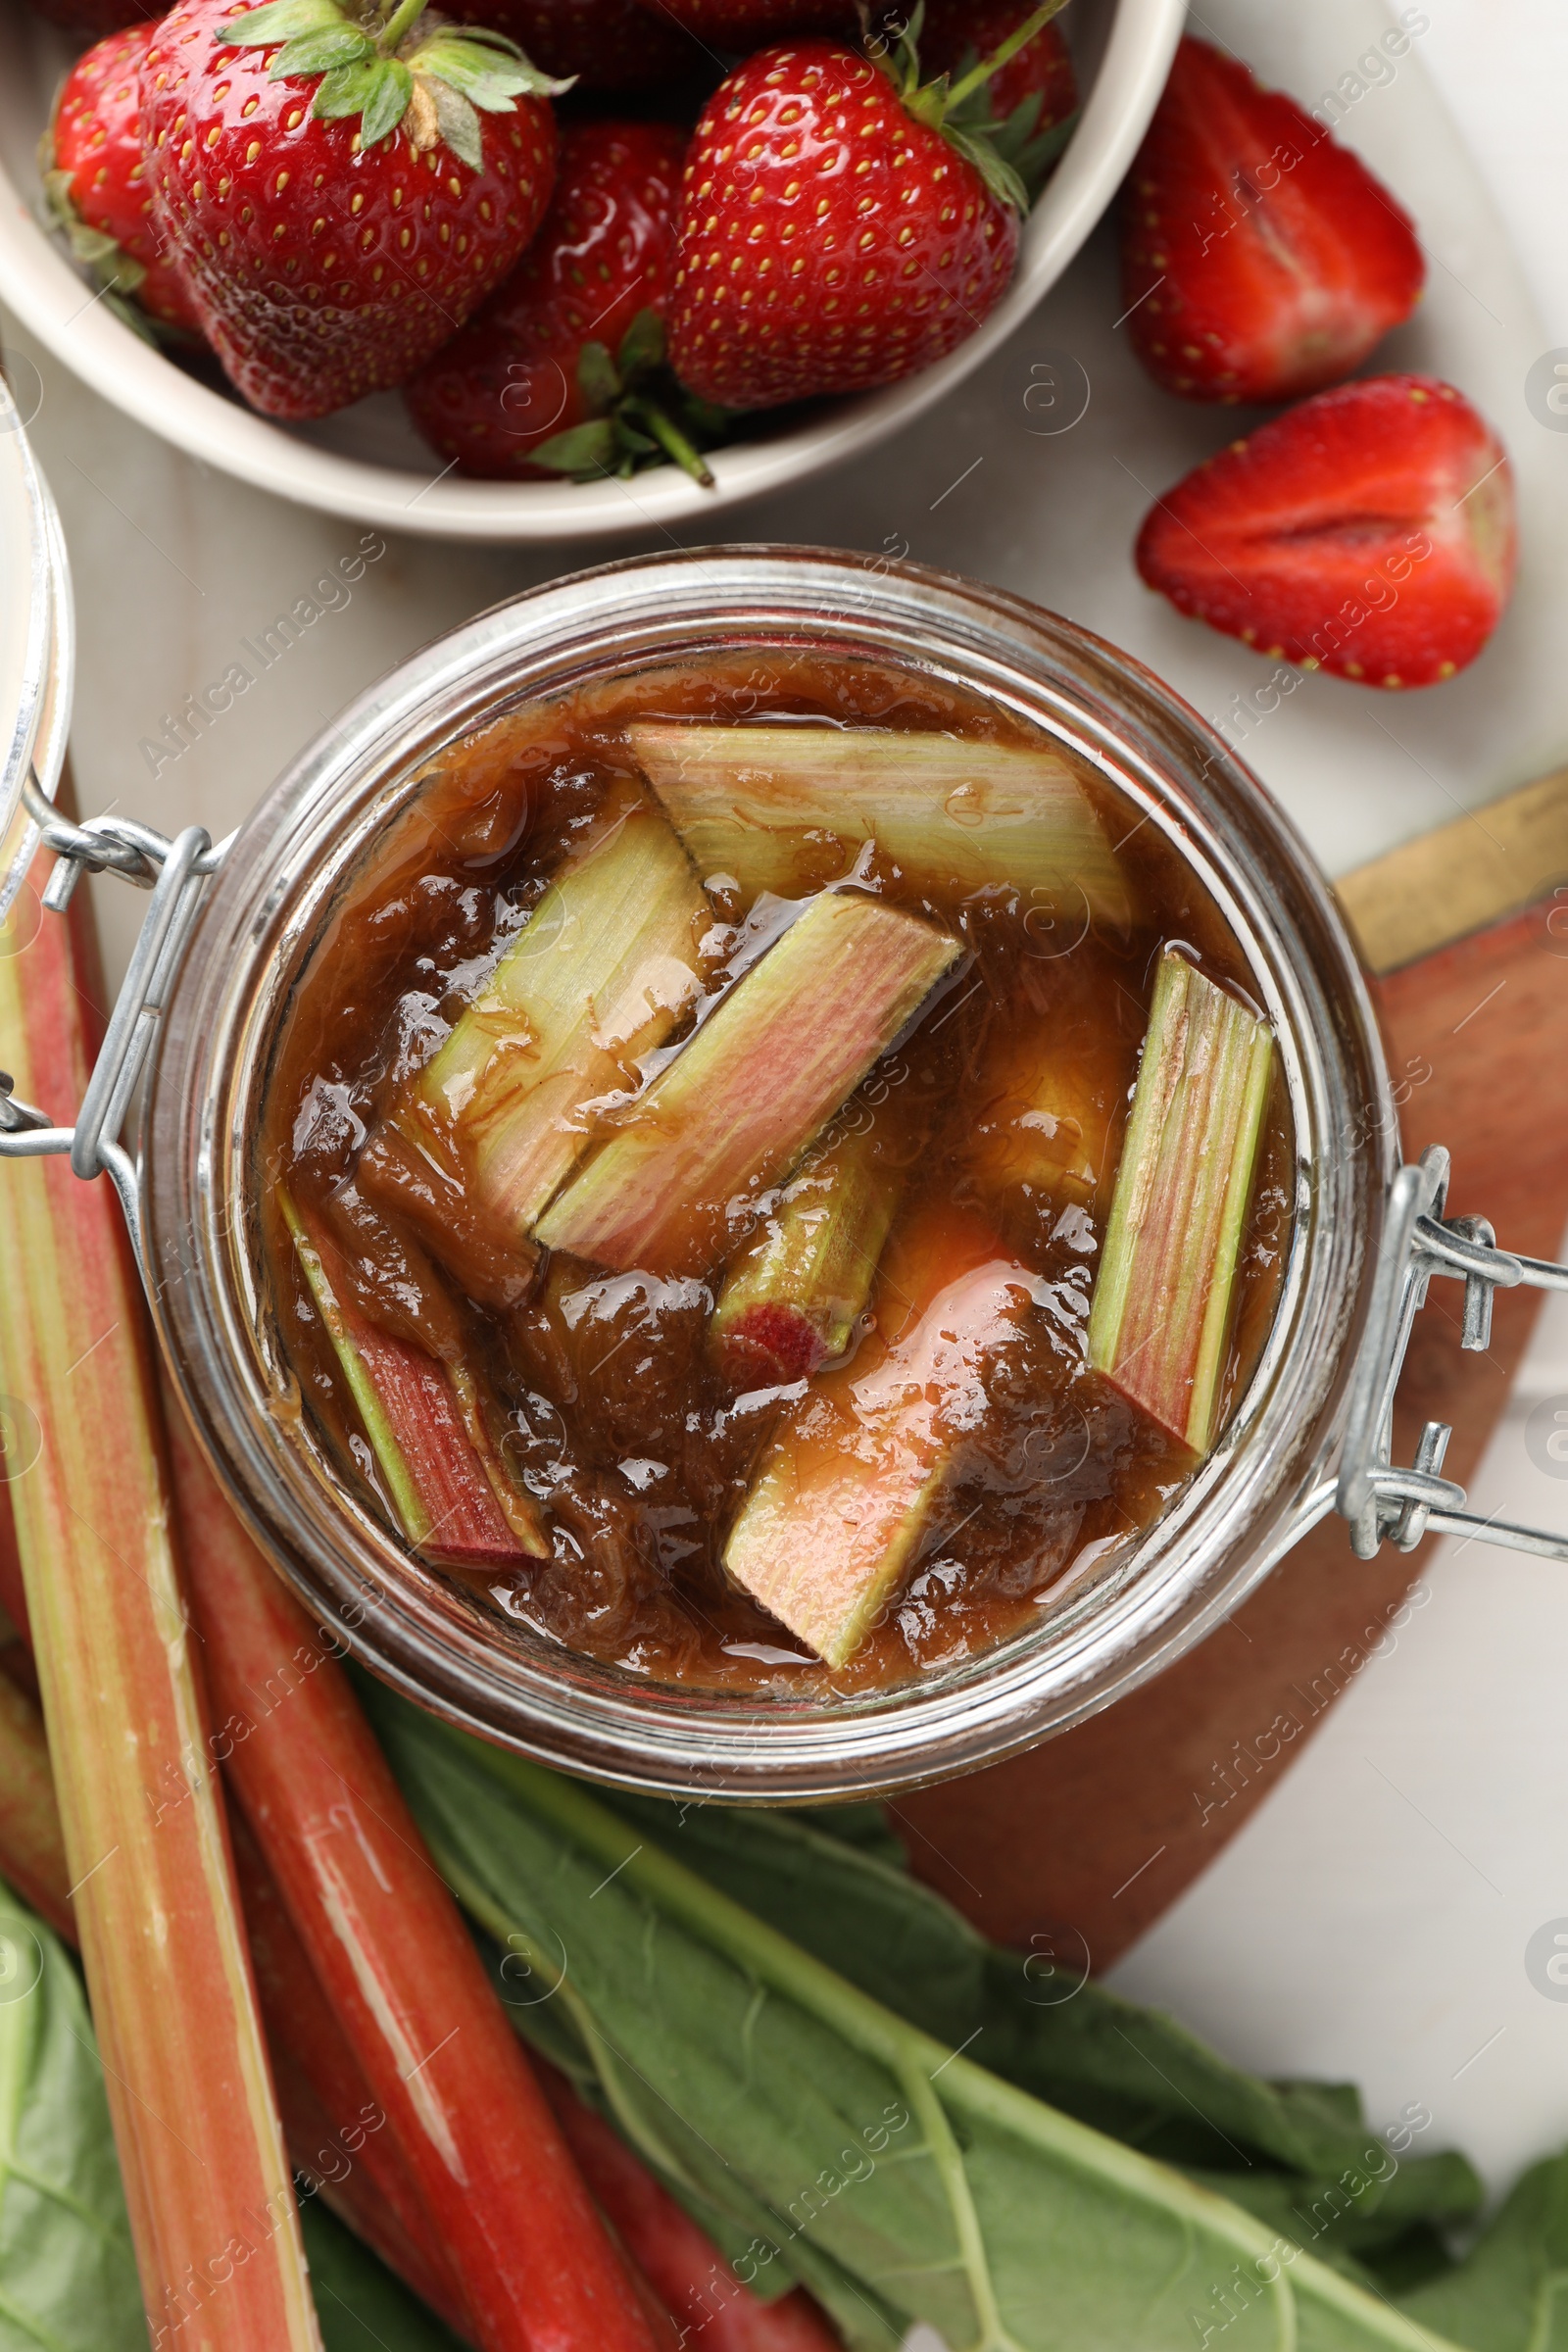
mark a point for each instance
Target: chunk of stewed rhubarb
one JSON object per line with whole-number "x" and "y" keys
{"x": 792, "y": 1297}
{"x": 680, "y": 1179}
{"x": 597, "y": 977}
{"x": 1161, "y": 1317}
{"x": 767, "y": 805}
{"x": 845, "y": 1493}
{"x": 425, "y": 1421}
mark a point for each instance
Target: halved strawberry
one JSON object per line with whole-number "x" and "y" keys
{"x": 94, "y": 176}
{"x": 844, "y": 222}
{"x": 1371, "y": 532}
{"x": 341, "y": 188}
{"x": 530, "y": 387}
{"x": 1260, "y": 260}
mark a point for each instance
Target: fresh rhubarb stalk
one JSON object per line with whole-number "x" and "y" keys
{"x": 425, "y": 1421}
{"x": 793, "y": 1296}
{"x": 13, "y": 1592}
{"x": 32, "y": 1849}
{"x": 327, "y": 2108}
{"x": 206, "y": 2181}
{"x": 757, "y": 804}
{"x": 1163, "y": 1300}
{"x": 538, "y": 2273}
{"x": 732, "y": 1113}
{"x": 598, "y": 976}
{"x": 338, "y": 2133}
{"x": 679, "y": 2259}
{"x": 845, "y": 1493}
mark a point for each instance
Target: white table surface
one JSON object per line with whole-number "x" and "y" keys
{"x": 1371, "y": 1921}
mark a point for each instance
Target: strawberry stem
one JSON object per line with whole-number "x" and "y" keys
{"x": 1019, "y": 38}
{"x": 671, "y": 440}
{"x": 400, "y": 22}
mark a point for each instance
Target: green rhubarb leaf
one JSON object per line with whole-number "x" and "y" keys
{"x": 1511, "y": 2292}
{"x": 278, "y": 21}
{"x": 582, "y": 449}
{"x": 67, "y": 2275}
{"x": 884, "y": 2160}
{"x": 361, "y": 2306}
{"x": 1033, "y": 2019}
{"x": 596, "y": 379}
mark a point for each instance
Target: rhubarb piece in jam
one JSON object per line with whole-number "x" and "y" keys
{"x": 793, "y": 1295}
{"x": 677, "y": 1182}
{"x": 1163, "y": 1300}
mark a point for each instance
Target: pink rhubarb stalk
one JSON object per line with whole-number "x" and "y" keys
{"x": 207, "y": 2179}
{"x": 537, "y": 2270}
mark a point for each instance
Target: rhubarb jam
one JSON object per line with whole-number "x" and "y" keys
{"x": 692, "y": 1149}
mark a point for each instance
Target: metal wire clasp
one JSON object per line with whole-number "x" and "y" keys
{"x": 175, "y": 872}
{"x": 1379, "y": 1499}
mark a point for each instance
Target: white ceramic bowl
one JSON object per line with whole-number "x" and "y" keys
{"x": 368, "y": 463}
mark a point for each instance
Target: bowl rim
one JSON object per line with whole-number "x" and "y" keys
{"x": 40, "y": 285}
{"x": 205, "y": 1261}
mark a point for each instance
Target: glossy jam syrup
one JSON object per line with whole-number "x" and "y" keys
{"x": 607, "y": 1404}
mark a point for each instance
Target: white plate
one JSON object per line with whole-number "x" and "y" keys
{"x": 369, "y": 463}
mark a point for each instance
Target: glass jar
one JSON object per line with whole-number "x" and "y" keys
{"x": 289, "y": 869}
{"x": 37, "y": 641}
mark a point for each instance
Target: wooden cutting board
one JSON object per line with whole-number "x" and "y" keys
{"x": 1093, "y": 1835}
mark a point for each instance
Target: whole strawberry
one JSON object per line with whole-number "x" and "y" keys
{"x": 1029, "y": 105}
{"x": 1260, "y": 260}
{"x": 96, "y": 182}
{"x": 743, "y": 23}
{"x": 1371, "y": 532}
{"x": 842, "y": 223}
{"x": 600, "y": 44}
{"x": 340, "y": 193}
{"x": 530, "y": 387}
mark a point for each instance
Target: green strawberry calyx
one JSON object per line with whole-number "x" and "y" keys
{"x": 117, "y": 273}
{"x": 639, "y": 415}
{"x": 386, "y": 68}
{"x": 1012, "y": 157}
